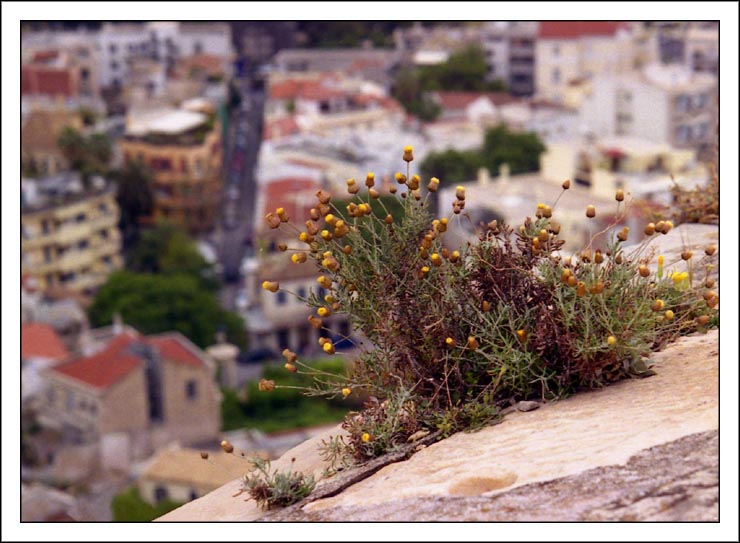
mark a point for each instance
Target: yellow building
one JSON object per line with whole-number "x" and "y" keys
{"x": 69, "y": 235}
{"x": 183, "y": 150}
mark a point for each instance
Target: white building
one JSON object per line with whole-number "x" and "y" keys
{"x": 662, "y": 104}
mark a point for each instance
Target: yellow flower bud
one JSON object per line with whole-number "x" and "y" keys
{"x": 346, "y": 391}
{"x": 282, "y": 247}
{"x": 374, "y": 194}
{"x": 408, "y": 153}
{"x": 433, "y": 184}
{"x": 590, "y": 211}
{"x": 709, "y": 251}
{"x": 266, "y": 385}
{"x": 460, "y": 192}
{"x": 370, "y": 179}
{"x": 365, "y": 437}
{"x": 324, "y": 281}
{"x": 289, "y": 355}
{"x": 611, "y": 341}
{"x": 290, "y": 367}
{"x": 658, "y": 305}
{"x": 669, "y": 315}
{"x": 472, "y": 343}
{"x": 450, "y": 342}
{"x": 328, "y": 348}
{"x": 272, "y": 286}
{"x": 436, "y": 259}
{"x": 619, "y": 196}
{"x": 566, "y": 184}
{"x": 650, "y": 229}
{"x": 298, "y": 258}
{"x": 326, "y": 235}
{"x": 227, "y": 447}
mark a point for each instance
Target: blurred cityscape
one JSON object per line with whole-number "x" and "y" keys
{"x": 152, "y": 151}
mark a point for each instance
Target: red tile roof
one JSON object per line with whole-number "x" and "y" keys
{"x": 41, "y": 341}
{"x": 47, "y": 81}
{"x": 459, "y": 100}
{"x": 172, "y": 348}
{"x": 308, "y": 89}
{"x": 283, "y": 126}
{"x": 282, "y": 193}
{"x": 45, "y": 56}
{"x": 115, "y": 362}
{"x": 576, "y": 29}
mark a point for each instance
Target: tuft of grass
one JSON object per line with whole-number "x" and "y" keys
{"x": 276, "y": 488}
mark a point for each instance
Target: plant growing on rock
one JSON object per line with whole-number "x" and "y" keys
{"x": 458, "y": 333}
{"x": 276, "y": 488}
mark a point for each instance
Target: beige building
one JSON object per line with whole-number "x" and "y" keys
{"x": 69, "y": 235}
{"x": 662, "y": 103}
{"x": 181, "y": 475}
{"x": 40, "y": 130}
{"x": 183, "y": 149}
{"x": 643, "y": 169}
{"x": 568, "y": 51}
{"x": 132, "y": 394}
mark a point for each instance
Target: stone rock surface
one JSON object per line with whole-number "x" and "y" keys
{"x": 674, "y": 482}
{"x": 557, "y": 450}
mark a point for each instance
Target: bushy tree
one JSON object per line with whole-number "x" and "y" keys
{"x": 89, "y": 155}
{"x": 168, "y": 250}
{"x": 154, "y": 303}
{"x": 135, "y": 199}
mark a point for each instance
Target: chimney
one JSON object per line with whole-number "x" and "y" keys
{"x": 117, "y": 323}
{"x": 484, "y": 177}
{"x": 503, "y": 175}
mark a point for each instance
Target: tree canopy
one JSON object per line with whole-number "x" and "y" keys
{"x": 89, "y": 155}
{"x": 154, "y": 303}
{"x": 520, "y": 150}
{"x": 135, "y": 199}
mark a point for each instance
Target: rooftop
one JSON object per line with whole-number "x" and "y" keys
{"x": 42, "y": 80}
{"x": 164, "y": 121}
{"x": 554, "y": 30}
{"x": 58, "y": 190}
{"x": 41, "y": 341}
{"x": 116, "y": 360}
{"x": 186, "y": 467}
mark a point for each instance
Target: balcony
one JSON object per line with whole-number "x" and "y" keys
{"x": 74, "y": 260}
{"x": 70, "y": 233}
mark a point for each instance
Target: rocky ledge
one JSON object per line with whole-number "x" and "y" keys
{"x": 643, "y": 449}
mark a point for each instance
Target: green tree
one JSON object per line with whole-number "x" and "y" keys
{"x": 451, "y": 166}
{"x": 166, "y": 249}
{"x": 464, "y": 70}
{"x": 135, "y": 199}
{"x": 520, "y": 150}
{"x": 88, "y": 155}
{"x": 128, "y": 506}
{"x": 154, "y": 303}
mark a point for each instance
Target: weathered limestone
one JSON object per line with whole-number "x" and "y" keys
{"x": 553, "y": 452}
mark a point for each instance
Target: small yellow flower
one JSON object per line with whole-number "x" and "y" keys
{"x": 370, "y": 180}
{"x": 298, "y": 258}
{"x": 460, "y": 192}
{"x": 450, "y": 342}
{"x": 408, "y": 153}
{"x": 486, "y": 306}
{"x": 658, "y": 305}
{"x": 289, "y": 355}
{"x": 433, "y": 184}
{"x": 324, "y": 281}
{"x": 611, "y": 341}
{"x": 330, "y": 219}
{"x": 619, "y": 196}
{"x": 282, "y": 214}
{"x": 436, "y": 259}
{"x": 326, "y": 235}
{"x": 290, "y": 367}
{"x": 414, "y": 182}
{"x": 266, "y": 385}
{"x": 590, "y": 211}
{"x": 669, "y": 315}
{"x": 454, "y": 256}
{"x": 374, "y": 194}
{"x": 346, "y": 391}
{"x": 272, "y": 286}
{"x": 522, "y": 335}
{"x": 365, "y": 437}
{"x": 227, "y": 447}
{"x": 322, "y": 312}
{"x": 566, "y": 184}
{"x": 472, "y": 343}
{"x": 328, "y": 348}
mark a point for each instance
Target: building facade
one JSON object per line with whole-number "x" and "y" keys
{"x": 132, "y": 394}
{"x": 69, "y": 236}
{"x": 184, "y": 152}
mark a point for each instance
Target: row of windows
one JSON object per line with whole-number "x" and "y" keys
{"x": 685, "y": 102}
{"x": 687, "y": 133}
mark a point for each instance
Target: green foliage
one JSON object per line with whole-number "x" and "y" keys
{"x": 284, "y": 408}
{"x": 465, "y": 70}
{"x": 168, "y": 250}
{"x": 520, "y": 150}
{"x": 456, "y": 335}
{"x": 128, "y": 506}
{"x": 276, "y": 488}
{"x": 88, "y": 155}
{"x": 160, "y": 303}
{"x": 330, "y": 34}
{"x": 135, "y": 199}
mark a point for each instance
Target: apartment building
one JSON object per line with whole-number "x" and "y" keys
{"x": 40, "y": 131}
{"x": 183, "y": 149}
{"x": 131, "y": 394}
{"x": 510, "y": 54}
{"x": 662, "y": 103}
{"x": 570, "y": 51}
{"x": 69, "y": 234}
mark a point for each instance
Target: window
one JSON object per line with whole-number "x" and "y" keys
{"x": 70, "y": 405}
{"x": 191, "y": 389}
{"x": 683, "y": 133}
{"x": 114, "y": 65}
{"x": 80, "y": 217}
{"x": 103, "y": 207}
{"x": 556, "y": 75}
{"x": 193, "y": 495}
{"x": 83, "y": 244}
{"x": 683, "y": 103}
{"x": 283, "y": 337}
{"x": 183, "y": 165}
{"x": 556, "y": 50}
{"x": 160, "y": 493}
{"x": 45, "y": 227}
{"x": 282, "y": 299}
{"x": 112, "y": 48}
{"x": 47, "y": 254}
{"x": 103, "y": 234}
{"x": 51, "y": 395}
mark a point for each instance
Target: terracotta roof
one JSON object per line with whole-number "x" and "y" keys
{"x": 41, "y": 341}
{"x": 114, "y": 362}
{"x": 452, "y": 100}
{"x": 576, "y": 29}
{"x": 49, "y": 81}
{"x": 45, "y": 56}
{"x": 283, "y": 126}
{"x": 309, "y": 89}
{"x": 284, "y": 193}
{"x": 173, "y": 347}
